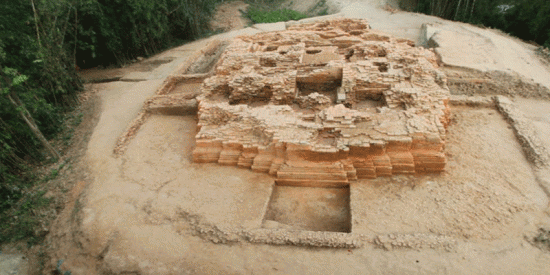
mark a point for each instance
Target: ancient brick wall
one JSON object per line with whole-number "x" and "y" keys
{"x": 325, "y": 103}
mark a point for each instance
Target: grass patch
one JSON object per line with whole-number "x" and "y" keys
{"x": 542, "y": 240}
{"x": 258, "y": 15}
{"x": 54, "y": 172}
{"x": 24, "y": 210}
{"x": 323, "y": 12}
{"x": 77, "y": 119}
{"x": 22, "y": 222}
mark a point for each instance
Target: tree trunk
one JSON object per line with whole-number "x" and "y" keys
{"x": 32, "y": 124}
{"x": 443, "y": 12}
{"x": 466, "y": 10}
{"x": 472, "y": 10}
{"x": 26, "y": 116}
{"x": 36, "y": 24}
{"x": 443, "y": 9}
{"x": 437, "y": 8}
{"x": 457, "y": 9}
{"x": 75, "y": 36}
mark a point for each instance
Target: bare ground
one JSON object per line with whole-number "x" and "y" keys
{"x": 228, "y": 16}
{"x": 153, "y": 211}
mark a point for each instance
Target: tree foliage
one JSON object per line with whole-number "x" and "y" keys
{"x": 529, "y": 20}
{"x": 43, "y": 42}
{"x": 114, "y": 31}
{"x": 37, "y": 72}
{"x": 526, "y": 19}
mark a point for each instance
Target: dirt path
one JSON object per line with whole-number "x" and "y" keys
{"x": 153, "y": 211}
{"x": 228, "y": 17}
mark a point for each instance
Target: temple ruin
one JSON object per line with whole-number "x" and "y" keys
{"x": 323, "y": 104}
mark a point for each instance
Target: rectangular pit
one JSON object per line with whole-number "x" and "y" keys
{"x": 183, "y": 84}
{"x": 187, "y": 86}
{"x": 309, "y": 209}
{"x": 207, "y": 61}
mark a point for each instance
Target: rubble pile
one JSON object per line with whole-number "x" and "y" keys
{"x": 324, "y": 103}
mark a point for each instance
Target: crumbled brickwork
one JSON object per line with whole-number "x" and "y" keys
{"x": 325, "y": 103}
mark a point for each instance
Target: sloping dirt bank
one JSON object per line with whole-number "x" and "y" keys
{"x": 153, "y": 211}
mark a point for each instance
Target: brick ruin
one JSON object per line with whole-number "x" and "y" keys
{"x": 323, "y": 104}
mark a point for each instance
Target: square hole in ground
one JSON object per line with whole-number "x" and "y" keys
{"x": 309, "y": 208}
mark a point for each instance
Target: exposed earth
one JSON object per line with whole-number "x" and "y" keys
{"x": 149, "y": 209}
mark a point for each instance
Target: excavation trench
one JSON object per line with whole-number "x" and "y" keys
{"x": 309, "y": 209}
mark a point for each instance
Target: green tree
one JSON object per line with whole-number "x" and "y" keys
{"x": 526, "y": 19}
{"x": 115, "y": 31}
{"x": 530, "y": 20}
{"x": 37, "y": 82}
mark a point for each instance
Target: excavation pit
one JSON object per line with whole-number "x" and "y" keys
{"x": 187, "y": 84}
{"x": 177, "y": 96}
{"x": 309, "y": 209}
{"x": 208, "y": 59}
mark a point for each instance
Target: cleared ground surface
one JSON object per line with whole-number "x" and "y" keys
{"x": 488, "y": 192}
{"x": 228, "y": 16}
{"x": 152, "y": 211}
{"x": 538, "y": 111}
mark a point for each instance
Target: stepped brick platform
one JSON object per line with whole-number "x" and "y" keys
{"x": 323, "y": 104}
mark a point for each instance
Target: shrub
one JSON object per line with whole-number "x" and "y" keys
{"x": 262, "y": 16}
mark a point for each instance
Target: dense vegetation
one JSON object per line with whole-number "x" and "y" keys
{"x": 36, "y": 85}
{"x": 119, "y": 30}
{"x": 271, "y": 11}
{"x": 526, "y": 19}
{"x": 260, "y": 16}
{"x": 42, "y": 44}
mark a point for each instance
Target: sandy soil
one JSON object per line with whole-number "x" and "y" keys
{"x": 308, "y": 208}
{"x": 153, "y": 211}
{"x": 228, "y": 16}
{"x": 486, "y": 184}
{"x": 539, "y": 113}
